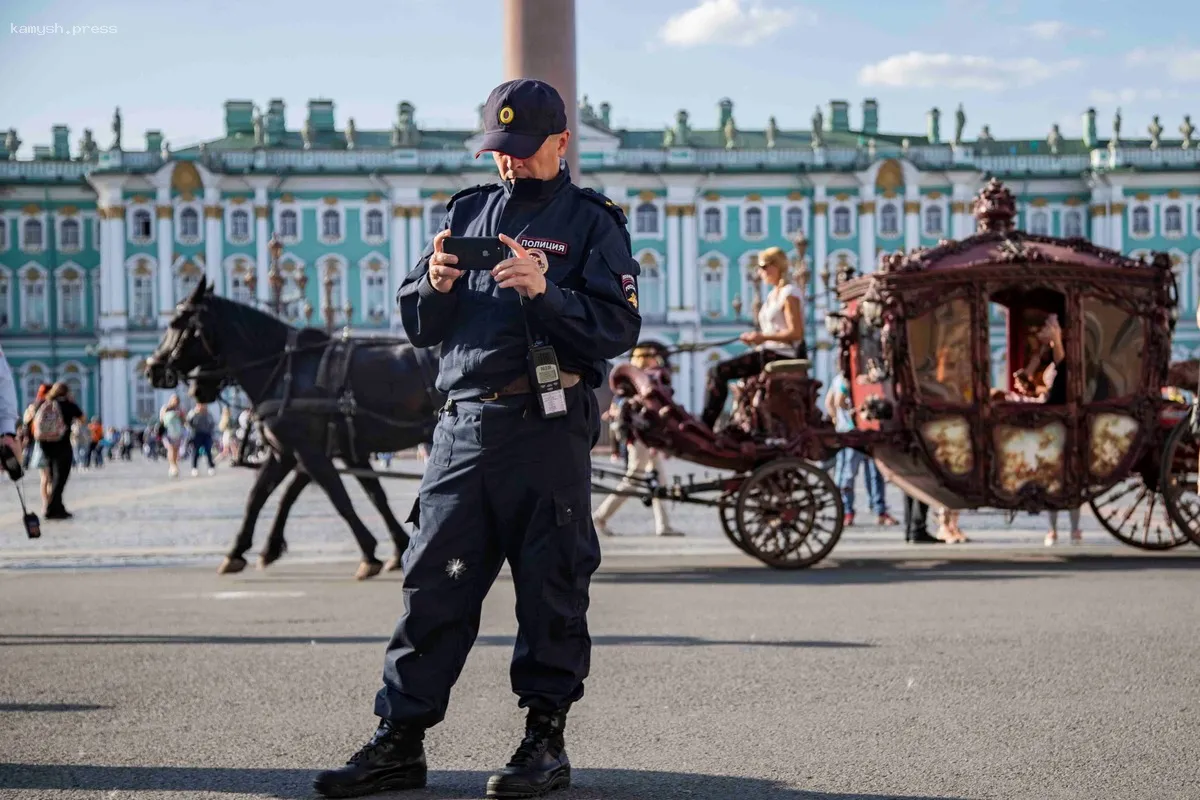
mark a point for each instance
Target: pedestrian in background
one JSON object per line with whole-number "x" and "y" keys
{"x": 51, "y": 427}
{"x": 201, "y": 425}
{"x": 172, "y": 422}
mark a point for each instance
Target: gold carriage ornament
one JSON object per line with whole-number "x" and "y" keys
{"x": 948, "y": 416}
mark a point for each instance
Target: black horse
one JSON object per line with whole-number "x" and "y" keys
{"x": 319, "y": 398}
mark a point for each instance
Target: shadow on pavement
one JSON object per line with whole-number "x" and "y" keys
{"x": 892, "y": 570}
{"x": 59, "y": 639}
{"x": 39, "y": 708}
{"x": 612, "y": 784}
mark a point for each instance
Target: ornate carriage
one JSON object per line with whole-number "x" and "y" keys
{"x": 914, "y": 342}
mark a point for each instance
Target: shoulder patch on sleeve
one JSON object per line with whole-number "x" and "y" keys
{"x": 608, "y": 205}
{"x": 479, "y": 188}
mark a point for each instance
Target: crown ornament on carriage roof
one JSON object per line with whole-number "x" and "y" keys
{"x": 995, "y": 208}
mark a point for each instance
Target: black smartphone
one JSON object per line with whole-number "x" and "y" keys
{"x": 476, "y": 252}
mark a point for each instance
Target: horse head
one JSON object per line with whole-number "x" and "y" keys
{"x": 188, "y": 350}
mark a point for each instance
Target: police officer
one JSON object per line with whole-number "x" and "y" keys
{"x": 508, "y": 476}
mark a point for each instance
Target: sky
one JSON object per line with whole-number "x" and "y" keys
{"x": 1015, "y": 65}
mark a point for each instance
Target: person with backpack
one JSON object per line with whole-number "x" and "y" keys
{"x": 51, "y": 429}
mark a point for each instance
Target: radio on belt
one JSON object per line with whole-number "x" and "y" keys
{"x": 546, "y": 383}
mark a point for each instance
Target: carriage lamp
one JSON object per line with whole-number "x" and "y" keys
{"x": 349, "y": 310}
{"x": 802, "y": 274}
{"x": 308, "y": 312}
{"x": 251, "y": 281}
{"x": 274, "y": 276}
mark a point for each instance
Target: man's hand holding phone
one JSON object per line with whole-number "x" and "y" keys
{"x": 442, "y": 273}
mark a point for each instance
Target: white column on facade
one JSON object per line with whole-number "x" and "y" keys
{"x": 960, "y": 218}
{"x": 820, "y": 232}
{"x": 262, "y": 237}
{"x": 403, "y": 199}
{"x": 164, "y": 277}
{"x": 1097, "y": 217}
{"x": 114, "y": 234}
{"x": 691, "y": 258}
{"x": 213, "y": 243}
{"x": 912, "y": 217}
{"x": 674, "y": 263}
{"x": 866, "y": 230}
{"x": 686, "y": 382}
{"x": 1116, "y": 219}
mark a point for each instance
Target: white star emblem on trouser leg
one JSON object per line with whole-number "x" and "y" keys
{"x": 455, "y": 568}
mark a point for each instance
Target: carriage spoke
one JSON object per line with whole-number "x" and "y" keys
{"x": 790, "y": 514}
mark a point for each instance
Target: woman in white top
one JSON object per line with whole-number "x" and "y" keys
{"x": 780, "y": 334}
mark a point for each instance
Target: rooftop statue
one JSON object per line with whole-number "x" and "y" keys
{"x": 960, "y": 122}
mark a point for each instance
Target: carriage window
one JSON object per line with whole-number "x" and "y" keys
{"x": 870, "y": 351}
{"x": 1113, "y": 341}
{"x": 939, "y": 344}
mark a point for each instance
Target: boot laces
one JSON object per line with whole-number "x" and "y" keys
{"x": 531, "y": 748}
{"x": 384, "y": 739}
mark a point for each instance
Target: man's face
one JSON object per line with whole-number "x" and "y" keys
{"x": 542, "y": 165}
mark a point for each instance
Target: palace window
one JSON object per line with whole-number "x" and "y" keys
{"x": 68, "y": 235}
{"x": 292, "y": 301}
{"x": 841, "y": 221}
{"x": 287, "y": 224}
{"x": 1141, "y": 221}
{"x": 793, "y": 220}
{"x": 33, "y": 377}
{"x": 141, "y": 294}
{"x": 752, "y": 225}
{"x": 713, "y": 288}
{"x": 712, "y": 222}
{"x": 189, "y": 224}
{"x": 187, "y": 278}
{"x": 646, "y": 219}
{"x": 1039, "y": 223}
{"x": 6, "y": 296}
{"x": 331, "y": 224}
{"x": 375, "y": 224}
{"x": 34, "y": 312}
{"x": 239, "y": 226}
{"x": 1173, "y": 221}
{"x": 143, "y": 397}
{"x": 889, "y": 220}
{"x": 652, "y": 296}
{"x": 1072, "y": 224}
{"x": 376, "y": 296}
{"x": 239, "y": 287}
{"x": 934, "y": 225}
{"x": 70, "y": 298}
{"x": 141, "y": 226}
{"x": 32, "y": 234}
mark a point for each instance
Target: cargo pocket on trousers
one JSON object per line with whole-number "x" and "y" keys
{"x": 443, "y": 445}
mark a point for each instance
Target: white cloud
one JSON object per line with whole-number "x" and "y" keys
{"x": 1181, "y": 65}
{"x": 729, "y": 22}
{"x": 917, "y": 69}
{"x": 1054, "y": 29}
{"x": 1129, "y": 95}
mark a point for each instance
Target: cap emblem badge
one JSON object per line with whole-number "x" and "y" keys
{"x": 506, "y": 115}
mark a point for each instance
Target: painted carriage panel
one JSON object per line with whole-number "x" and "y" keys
{"x": 1029, "y": 457}
{"x": 949, "y": 443}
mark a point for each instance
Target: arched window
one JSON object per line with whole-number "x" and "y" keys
{"x": 375, "y": 223}
{"x": 6, "y": 298}
{"x": 889, "y": 220}
{"x": 331, "y": 224}
{"x": 287, "y": 224}
{"x": 141, "y": 225}
{"x": 646, "y": 219}
{"x": 1141, "y": 221}
{"x": 712, "y": 288}
{"x": 933, "y": 221}
{"x": 34, "y": 309}
{"x": 69, "y": 238}
{"x": 754, "y": 222}
{"x": 651, "y": 284}
{"x": 841, "y": 221}
{"x": 70, "y": 298}
{"x": 712, "y": 221}
{"x": 33, "y": 376}
{"x": 290, "y": 295}
{"x": 189, "y": 224}
{"x": 141, "y": 293}
{"x": 143, "y": 397}
{"x": 187, "y": 278}
{"x": 239, "y": 226}
{"x": 32, "y": 234}
{"x": 1072, "y": 224}
{"x": 793, "y": 220}
{"x": 1039, "y": 223}
{"x": 1173, "y": 221}
{"x": 332, "y": 267}
{"x": 374, "y": 289}
{"x": 72, "y": 377}
{"x": 239, "y": 281}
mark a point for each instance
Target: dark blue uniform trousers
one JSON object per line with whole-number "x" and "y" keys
{"x": 501, "y": 483}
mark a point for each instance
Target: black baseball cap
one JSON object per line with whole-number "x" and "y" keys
{"x": 519, "y": 115}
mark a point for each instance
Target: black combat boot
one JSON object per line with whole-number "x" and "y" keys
{"x": 393, "y": 759}
{"x": 540, "y": 764}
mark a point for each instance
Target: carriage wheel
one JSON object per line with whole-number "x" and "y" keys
{"x": 1137, "y": 515}
{"x": 727, "y": 511}
{"x": 789, "y": 514}
{"x": 1179, "y": 465}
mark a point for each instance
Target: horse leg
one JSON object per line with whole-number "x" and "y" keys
{"x": 270, "y": 475}
{"x": 276, "y": 546}
{"x": 379, "y": 499}
{"x": 320, "y": 468}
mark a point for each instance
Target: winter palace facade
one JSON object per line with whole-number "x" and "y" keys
{"x": 98, "y": 244}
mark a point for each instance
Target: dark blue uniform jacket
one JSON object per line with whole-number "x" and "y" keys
{"x": 588, "y": 311}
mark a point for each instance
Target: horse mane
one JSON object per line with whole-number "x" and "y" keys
{"x": 250, "y": 324}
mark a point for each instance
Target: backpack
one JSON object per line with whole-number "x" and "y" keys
{"x": 48, "y": 422}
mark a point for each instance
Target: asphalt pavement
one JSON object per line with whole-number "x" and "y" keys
{"x": 997, "y": 669}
